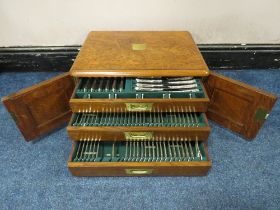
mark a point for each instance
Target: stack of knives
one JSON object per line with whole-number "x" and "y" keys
{"x": 168, "y": 84}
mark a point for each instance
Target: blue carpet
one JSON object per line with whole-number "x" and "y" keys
{"x": 245, "y": 175}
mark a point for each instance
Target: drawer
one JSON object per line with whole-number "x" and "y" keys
{"x": 121, "y": 95}
{"x": 139, "y": 158}
{"x": 138, "y": 125}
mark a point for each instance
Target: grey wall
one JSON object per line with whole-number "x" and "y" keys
{"x": 66, "y": 22}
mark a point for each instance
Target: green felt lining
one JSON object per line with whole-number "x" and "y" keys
{"x": 138, "y": 151}
{"x": 128, "y": 91}
{"x": 149, "y": 119}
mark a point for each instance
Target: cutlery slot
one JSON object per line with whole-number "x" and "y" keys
{"x": 138, "y": 151}
{"x": 129, "y": 88}
{"x": 148, "y": 119}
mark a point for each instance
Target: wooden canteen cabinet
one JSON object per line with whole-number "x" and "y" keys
{"x": 138, "y": 104}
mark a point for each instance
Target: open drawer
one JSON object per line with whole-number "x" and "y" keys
{"x": 138, "y": 125}
{"x": 139, "y": 158}
{"x": 121, "y": 94}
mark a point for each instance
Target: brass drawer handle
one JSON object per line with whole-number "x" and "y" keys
{"x": 138, "y": 135}
{"x": 134, "y": 107}
{"x": 138, "y": 171}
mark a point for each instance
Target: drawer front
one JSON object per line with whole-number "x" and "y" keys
{"x": 120, "y": 95}
{"x": 105, "y": 165}
{"x": 123, "y": 126}
{"x": 136, "y": 169}
{"x": 140, "y": 105}
{"x": 126, "y": 133}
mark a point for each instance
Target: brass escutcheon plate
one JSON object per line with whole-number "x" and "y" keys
{"x": 136, "y": 46}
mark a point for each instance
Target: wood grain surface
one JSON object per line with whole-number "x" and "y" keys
{"x": 165, "y": 53}
{"x": 41, "y": 108}
{"x": 235, "y": 105}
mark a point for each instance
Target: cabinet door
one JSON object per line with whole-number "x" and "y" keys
{"x": 237, "y": 106}
{"x": 41, "y": 108}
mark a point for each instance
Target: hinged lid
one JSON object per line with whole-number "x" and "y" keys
{"x": 154, "y": 53}
{"x": 237, "y": 106}
{"x": 41, "y": 108}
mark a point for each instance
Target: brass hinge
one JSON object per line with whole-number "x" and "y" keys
{"x": 14, "y": 117}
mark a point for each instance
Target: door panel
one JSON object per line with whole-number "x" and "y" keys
{"x": 41, "y": 108}
{"x": 237, "y": 106}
